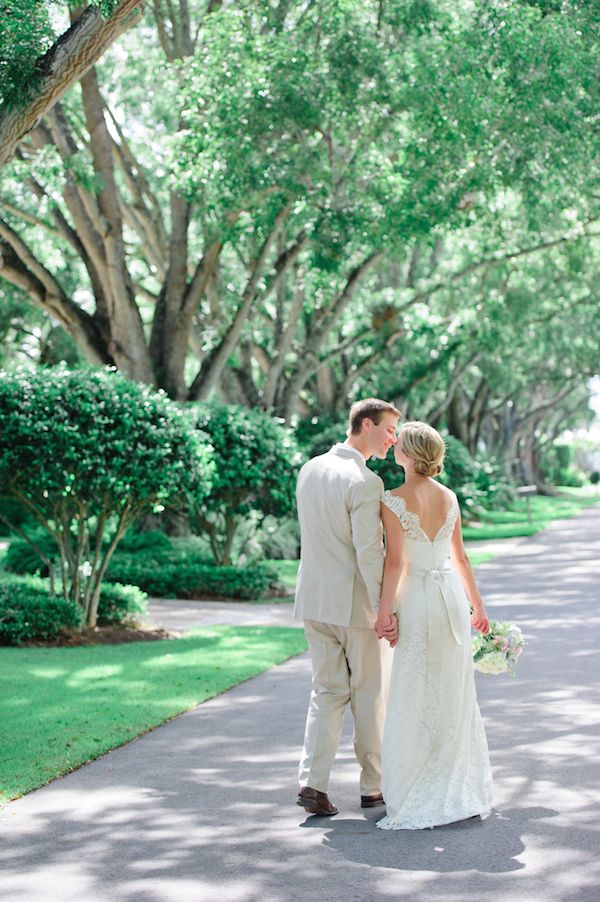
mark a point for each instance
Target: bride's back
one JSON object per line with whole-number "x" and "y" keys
{"x": 430, "y": 501}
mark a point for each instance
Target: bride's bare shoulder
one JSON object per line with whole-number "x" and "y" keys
{"x": 398, "y": 492}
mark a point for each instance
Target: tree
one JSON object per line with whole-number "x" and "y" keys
{"x": 86, "y": 453}
{"x": 31, "y": 82}
{"x": 250, "y": 237}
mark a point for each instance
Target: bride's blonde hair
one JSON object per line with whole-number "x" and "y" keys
{"x": 424, "y": 445}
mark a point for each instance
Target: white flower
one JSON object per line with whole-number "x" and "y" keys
{"x": 494, "y": 662}
{"x": 496, "y": 651}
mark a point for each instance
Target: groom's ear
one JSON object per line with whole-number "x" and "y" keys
{"x": 367, "y": 424}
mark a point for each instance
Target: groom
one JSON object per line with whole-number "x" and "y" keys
{"x": 337, "y": 596}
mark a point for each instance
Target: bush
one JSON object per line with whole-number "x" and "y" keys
{"x": 120, "y": 604}
{"x": 594, "y": 477}
{"x": 558, "y": 467}
{"x": 90, "y": 451}
{"x": 186, "y": 576}
{"x": 22, "y": 558}
{"x": 316, "y": 435}
{"x": 13, "y": 511}
{"x": 256, "y": 463}
{"x": 570, "y": 477}
{"x": 158, "y": 565}
{"x": 151, "y": 540}
{"x": 276, "y": 540}
{"x": 28, "y": 611}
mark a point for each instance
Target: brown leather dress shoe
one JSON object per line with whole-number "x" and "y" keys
{"x": 315, "y": 802}
{"x": 371, "y": 801}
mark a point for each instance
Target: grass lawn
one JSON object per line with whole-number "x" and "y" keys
{"x": 61, "y": 707}
{"x": 286, "y": 572}
{"x": 495, "y": 525}
{"x": 514, "y": 523}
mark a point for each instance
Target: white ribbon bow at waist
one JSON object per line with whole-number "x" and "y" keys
{"x": 439, "y": 577}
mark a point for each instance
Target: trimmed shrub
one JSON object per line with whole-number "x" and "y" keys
{"x": 164, "y": 567}
{"x": 89, "y": 452}
{"x": 185, "y": 576}
{"x": 151, "y": 540}
{"x": 28, "y": 611}
{"x": 316, "y": 435}
{"x": 119, "y": 603}
{"x": 22, "y": 558}
{"x": 594, "y": 477}
{"x": 256, "y": 463}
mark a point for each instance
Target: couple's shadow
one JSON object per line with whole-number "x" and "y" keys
{"x": 489, "y": 846}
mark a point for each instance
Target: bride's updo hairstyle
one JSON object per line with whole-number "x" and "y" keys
{"x": 424, "y": 445}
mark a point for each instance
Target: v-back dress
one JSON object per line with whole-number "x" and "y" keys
{"x": 435, "y": 759}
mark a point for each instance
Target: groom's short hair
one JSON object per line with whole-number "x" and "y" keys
{"x": 369, "y": 409}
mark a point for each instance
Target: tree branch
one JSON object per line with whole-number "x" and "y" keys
{"x": 63, "y": 65}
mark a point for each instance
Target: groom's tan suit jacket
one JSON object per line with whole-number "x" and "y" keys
{"x": 341, "y": 565}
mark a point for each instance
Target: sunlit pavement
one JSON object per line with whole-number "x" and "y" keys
{"x": 204, "y": 807}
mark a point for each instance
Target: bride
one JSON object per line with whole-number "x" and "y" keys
{"x": 435, "y": 758}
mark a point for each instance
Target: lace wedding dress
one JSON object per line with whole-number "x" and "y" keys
{"x": 435, "y": 757}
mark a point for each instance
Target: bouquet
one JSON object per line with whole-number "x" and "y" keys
{"x": 497, "y": 651}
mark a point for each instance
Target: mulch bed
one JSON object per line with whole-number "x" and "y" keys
{"x": 100, "y": 635}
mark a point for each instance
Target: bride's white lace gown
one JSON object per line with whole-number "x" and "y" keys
{"x": 435, "y": 757}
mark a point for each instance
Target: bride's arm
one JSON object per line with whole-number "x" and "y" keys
{"x": 479, "y": 619}
{"x": 392, "y": 568}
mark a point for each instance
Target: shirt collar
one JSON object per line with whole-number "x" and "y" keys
{"x": 344, "y": 446}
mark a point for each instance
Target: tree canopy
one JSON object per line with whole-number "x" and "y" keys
{"x": 288, "y": 204}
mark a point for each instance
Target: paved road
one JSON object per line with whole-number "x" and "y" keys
{"x": 202, "y": 809}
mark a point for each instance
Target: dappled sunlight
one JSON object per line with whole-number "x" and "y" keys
{"x": 94, "y": 707}
{"x": 48, "y": 673}
{"x": 98, "y": 672}
{"x": 210, "y": 796}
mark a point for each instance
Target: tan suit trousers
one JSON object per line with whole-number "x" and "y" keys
{"x": 349, "y": 665}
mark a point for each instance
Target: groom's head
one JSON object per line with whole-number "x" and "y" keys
{"x": 372, "y": 426}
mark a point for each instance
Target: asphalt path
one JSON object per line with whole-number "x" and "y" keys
{"x": 203, "y": 807}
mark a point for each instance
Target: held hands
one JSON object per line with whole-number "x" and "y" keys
{"x": 479, "y": 619}
{"x": 386, "y": 627}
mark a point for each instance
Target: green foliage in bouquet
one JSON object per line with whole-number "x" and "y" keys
{"x": 498, "y": 650}
{"x": 256, "y": 463}
{"x": 87, "y": 453}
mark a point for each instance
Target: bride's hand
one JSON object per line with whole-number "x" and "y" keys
{"x": 386, "y": 627}
{"x": 380, "y": 625}
{"x": 479, "y": 620}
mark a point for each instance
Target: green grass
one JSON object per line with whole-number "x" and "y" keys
{"x": 61, "y": 707}
{"x": 286, "y": 572}
{"x": 480, "y": 557}
{"x": 515, "y": 522}
{"x": 494, "y": 525}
